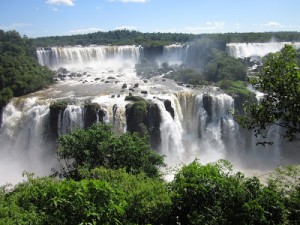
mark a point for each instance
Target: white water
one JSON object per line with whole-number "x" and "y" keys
{"x": 72, "y": 118}
{"x": 175, "y": 54}
{"x": 202, "y": 128}
{"x": 55, "y": 57}
{"x": 245, "y": 50}
{"x": 24, "y": 143}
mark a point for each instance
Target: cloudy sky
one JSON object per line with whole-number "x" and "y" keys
{"x": 36, "y": 18}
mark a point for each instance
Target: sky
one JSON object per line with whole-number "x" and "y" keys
{"x": 39, "y": 18}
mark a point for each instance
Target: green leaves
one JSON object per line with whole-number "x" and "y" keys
{"x": 97, "y": 146}
{"x": 199, "y": 194}
{"x": 280, "y": 105}
{"x": 212, "y": 194}
{"x": 66, "y": 202}
{"x": 20, "y": 72}
{"x": 224, "y": 67}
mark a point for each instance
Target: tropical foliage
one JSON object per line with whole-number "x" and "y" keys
{"x": 131, "y": 37}
{"x": 20, "y": 72}
{"x": 279, "y": 80}
{"x": 199, "y": 194}
{"x": 83, "y": 150}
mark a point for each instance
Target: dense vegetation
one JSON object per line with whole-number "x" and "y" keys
{"x": 279, "y": 80}
{"x": 20, "y": 72}
{"x": 114, "y": 186}
{"x": 128, "y": 37}
{"x": 98, "y": 146}
{"x": 118, "y": 37}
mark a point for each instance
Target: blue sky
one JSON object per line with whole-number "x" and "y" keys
{"x": 36, "y": 18}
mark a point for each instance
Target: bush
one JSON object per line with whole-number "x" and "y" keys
{"x": 224, "y": 67}
{"x": 97, "y": 146}
{"x": 208, "y": 194}
{"x": 148, "y": 200}
{"x": 20, "y": 72}
{"x": 47, "y": 201}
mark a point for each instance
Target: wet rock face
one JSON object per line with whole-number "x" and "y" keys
{"x": 152, "y": 53}
{"x": 144, "y": 118}
{"x": 62, "y": 70}
{"x": 136, "y": 115}
{"x": 169, "y": 108}
{"x": 56, "y": 113}
{"x": 92, "y": 113}
{"x": 207, "y": 105}
{"x": 239, "y": 100}
{"x": 153, "y": 125}
{"x": 1, "y": 112}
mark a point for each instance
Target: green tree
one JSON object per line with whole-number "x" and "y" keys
{"x": 224, "y": 67}
{"x": 49, "y": 201}
{"x": 148, "y": 200}
{"x": 20, "y": 72}
{"x": 285, "y": 180}
{"x": 5, "y": 95}
{"x": 211, "y": 194}
{"x": 279, "y": 80}
{"x": 98, "y": 146}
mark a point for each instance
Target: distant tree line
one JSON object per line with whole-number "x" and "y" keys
{"x": 20, "y": 73}
{"x": 131, "y": 37}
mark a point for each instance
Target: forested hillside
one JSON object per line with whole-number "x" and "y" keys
{"x": 127, "y": 37}
{"x": 20, "y": 72}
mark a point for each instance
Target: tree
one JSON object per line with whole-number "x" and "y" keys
{"x": 98, "y": 146}
{"x": 148, "y": 200}
{"x": 20, "y": 72}
{"x": 224, "y": 67}
{"x": 279, "y": 81}
{"x": 50, "y": 201}
{"x": 212, "y": 194}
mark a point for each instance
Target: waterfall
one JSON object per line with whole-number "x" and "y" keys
{"x": 245, "y": 50}
{"x": 171, "y": 135}
{"x": 202, "y": 127}
{"x": 24, "y": 140}
{"x": 189, "y": 123}
{"x": 174, "y": 54}
{"x": 114, "y": 112}
{"x": 55, "y": 57}
{"x": 72, "y": 117}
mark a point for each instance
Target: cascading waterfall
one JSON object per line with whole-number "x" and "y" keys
{"x": 114, "y": 112}
{"x": 205, "y": 116}
{"x": 24, "y": 142}
{"x": 171, "y": 135}
{"x": 55, "y": 57}
{"x": 200, "y": 124}
{"x": 245, "y": 50}
{"x": 174, "y": 54}
{"x": 72, "y": 117}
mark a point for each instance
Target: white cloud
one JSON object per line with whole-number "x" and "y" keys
{"x": 61, "y": 2}
{"x": 208, "y": 27}
{"x": 15, "y": 26}
{"x": 272, "y": 24}
{"x": 237, "y": 25}
{"x": 126, "y": 1}
{"x": 216, "y": 24}
{"x": 85, "y": 30}
{"x": 126, "y": 28}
